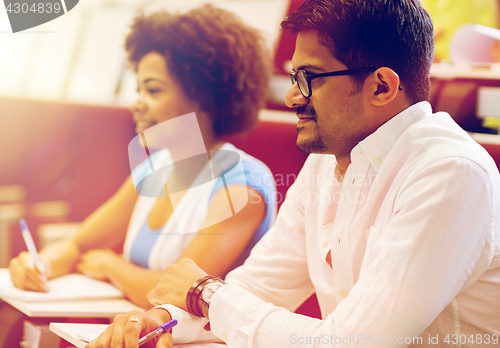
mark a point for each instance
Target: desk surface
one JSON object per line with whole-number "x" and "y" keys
{"x": 69, "y": 332}
{"x": 73, "y": 309}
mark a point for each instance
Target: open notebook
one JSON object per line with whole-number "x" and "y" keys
{"x": 79, "y": 334}
{"x": 71, "y": 287}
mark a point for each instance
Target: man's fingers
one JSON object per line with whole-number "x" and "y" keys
{"x": 175, "y": 283}
{"x": 137, "y": 322}
{"x": 132, "y": 331}
{"x": 165, "y": 341}
{"x": 126, "y": 330}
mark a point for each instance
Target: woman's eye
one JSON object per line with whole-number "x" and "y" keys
{"x": 153, "y": 90}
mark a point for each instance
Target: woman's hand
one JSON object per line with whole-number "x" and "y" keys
{"x": 175, "y": 283}
{"x": 26, "y": 277}
{"x": 128, "y": 328}
{"x": 95, "y": 263}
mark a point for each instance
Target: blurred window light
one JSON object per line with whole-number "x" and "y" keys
{"x": 80, "y": 56}
{"x": 52, "y": 61}
{"x": 101, "y": 59}
{"x": 15, "y": 57}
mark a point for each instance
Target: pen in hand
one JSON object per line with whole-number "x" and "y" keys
{"x": 28, "y": 240}
{"x": 158, "y": 331}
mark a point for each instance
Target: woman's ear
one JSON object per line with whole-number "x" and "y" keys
{"x": 383, "y": 86}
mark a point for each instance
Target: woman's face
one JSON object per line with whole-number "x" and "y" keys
{"x": 160, "y": 97}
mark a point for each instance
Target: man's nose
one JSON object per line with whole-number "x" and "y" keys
{"x": 294, "y": 97}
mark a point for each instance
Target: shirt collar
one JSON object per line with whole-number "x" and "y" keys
{"x": 377, "y": 145}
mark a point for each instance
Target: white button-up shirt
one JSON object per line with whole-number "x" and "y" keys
{"x": 414, "y": 239}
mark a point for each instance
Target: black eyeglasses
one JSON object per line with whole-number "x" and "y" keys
{"x": 304, "y": 78}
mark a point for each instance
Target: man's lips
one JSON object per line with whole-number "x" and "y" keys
{"x": 305, "y": 114}
{"x": 305, "y": 119}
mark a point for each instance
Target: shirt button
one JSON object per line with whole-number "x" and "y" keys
{"x": 324, "y": 243}
{"x": 343, "y": 293}
{"x": 378, "y": 160}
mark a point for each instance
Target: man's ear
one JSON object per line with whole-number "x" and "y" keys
{"x": 383, "y": 86}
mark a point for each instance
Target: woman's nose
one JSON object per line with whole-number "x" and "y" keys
{"x": 138, "y": 106}
{"x": 294, "y": 97}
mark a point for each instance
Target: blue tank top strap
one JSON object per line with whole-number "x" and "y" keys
{"x": 143, "y": 244}
{"x": 257, "y": 176}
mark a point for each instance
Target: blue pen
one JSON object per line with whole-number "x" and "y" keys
{"x": 35, "y": 259}
{"x": 158, "y": 331}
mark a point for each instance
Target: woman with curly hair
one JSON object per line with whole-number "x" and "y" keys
{"x": 205, "y": 62}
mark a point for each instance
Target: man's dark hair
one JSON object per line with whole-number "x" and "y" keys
{"x": 218, "y": 60}
{"x": 397, "y": 34}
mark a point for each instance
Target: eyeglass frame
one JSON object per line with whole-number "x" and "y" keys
{"x": 311, "y": 76}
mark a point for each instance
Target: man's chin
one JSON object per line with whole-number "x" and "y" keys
{"x": 310, "y": 146}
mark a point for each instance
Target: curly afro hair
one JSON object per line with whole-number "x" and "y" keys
{"x": 217, "y": 59}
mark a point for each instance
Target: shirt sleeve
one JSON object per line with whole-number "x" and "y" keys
{"x": 190, "y": 328}
{"x": 438, "y": 242}
{"x": 276, "y": 270}
{"x": 286, "y": 283}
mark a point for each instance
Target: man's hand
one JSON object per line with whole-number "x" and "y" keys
{"x": 95, "y": 263}
{"x": 26, "y": 277}
{"x": 175, "y": 283}
{"x": 128, "y": 328}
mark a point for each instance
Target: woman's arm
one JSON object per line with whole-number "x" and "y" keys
{"x": 107, "y": 226}
{"x": 104, "y": 228}
{"x": 215, "y": 248}
{"x": 220, "y": 241}
{"x": 135, "y": 282}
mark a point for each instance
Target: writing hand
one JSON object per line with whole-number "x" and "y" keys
{"x": 26, "y": 277}
{"x": 127, "y": 328}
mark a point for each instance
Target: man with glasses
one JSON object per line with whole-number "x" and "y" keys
{"x": 393, "y": 222}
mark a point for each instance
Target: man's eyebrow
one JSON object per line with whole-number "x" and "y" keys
{"x": 310, "y": 67}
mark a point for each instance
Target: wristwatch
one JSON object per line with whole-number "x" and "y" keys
{"x": 199, "y": 296}
{"x": 207, "y": 293}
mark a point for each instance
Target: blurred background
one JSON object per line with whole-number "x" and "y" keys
{"x": 79, "y": 57}
{"x": 65, "y": 88}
